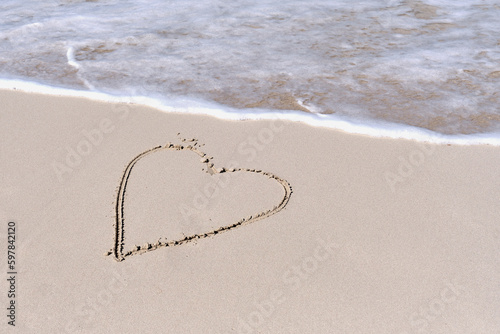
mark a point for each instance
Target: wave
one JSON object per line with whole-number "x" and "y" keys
{"x": 372, "y": 128}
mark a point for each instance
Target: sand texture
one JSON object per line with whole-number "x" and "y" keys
{"x": 132, "y": 220}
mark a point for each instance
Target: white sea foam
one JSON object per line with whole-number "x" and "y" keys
{"x": 374, "y": 128}
{"x": 70, "y": 54}
{"x": 427, "y": 63}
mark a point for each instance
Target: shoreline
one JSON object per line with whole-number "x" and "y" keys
{"x": 372, "y": 128}
{"x": 380, "y": 235}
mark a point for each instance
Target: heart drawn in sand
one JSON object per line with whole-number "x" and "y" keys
{"x": 191, "y": 145}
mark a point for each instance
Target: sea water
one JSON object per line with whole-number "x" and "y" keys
{"x": 426, "y": 70}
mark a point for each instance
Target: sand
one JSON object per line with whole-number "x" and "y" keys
{"x": 347, "y": 234}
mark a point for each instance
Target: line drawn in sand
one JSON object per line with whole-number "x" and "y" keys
{"x": 189, "y": 145}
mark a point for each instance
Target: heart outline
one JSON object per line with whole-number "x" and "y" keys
{"x": 119, "y": 236}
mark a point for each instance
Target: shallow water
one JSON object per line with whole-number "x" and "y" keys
{"x": 433, "y": 64}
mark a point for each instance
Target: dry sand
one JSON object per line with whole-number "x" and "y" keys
{"x": 378, "y": 236}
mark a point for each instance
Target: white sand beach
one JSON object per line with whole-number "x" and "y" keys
{"x": 349, "y": 234}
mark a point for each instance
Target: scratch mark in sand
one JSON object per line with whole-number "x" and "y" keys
{"x": 193, "y": 146}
